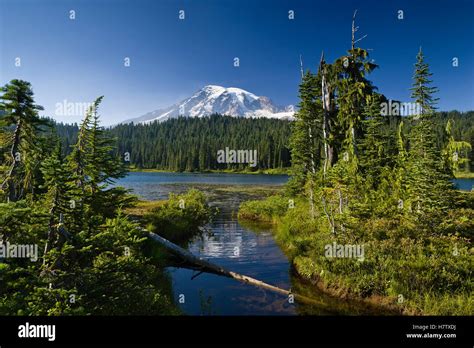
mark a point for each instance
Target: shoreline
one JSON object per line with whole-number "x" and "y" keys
{"x": 464, "y": 175}
{"x": 342, "y": 285}
{"x": 386, "y": 304}
{"x": 272, "y": 171}
{"x": 277, "y": 171}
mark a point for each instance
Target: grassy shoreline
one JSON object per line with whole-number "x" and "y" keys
{"x": 464, "y": 175}
{"x": 273, "y": 171}
{"x": 254, "y": 213}
{"x": 398, "y": 261}
{"x": 177, "y": 218}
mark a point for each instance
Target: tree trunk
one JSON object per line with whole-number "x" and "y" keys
{"x": 313, "y": 168}
{"x": 327, "y": 109}
{"x": 51, "y": 232}
{"x": 205, "y": 265}
{"x": 9, "y": 182}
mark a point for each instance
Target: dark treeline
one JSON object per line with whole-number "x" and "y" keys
{"x": 462, "y": 128}
{"x": 191, "y": 144}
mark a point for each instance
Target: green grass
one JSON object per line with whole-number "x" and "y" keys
{"x": 141, "y": 208}
{"x": 267, "y": 210}
{"x": 272, "y": 171}
{"x": 464, "y": 175}
{"x": 148, "y": 170}
{"x": 413, "y": 267}
{"x": 180, "y": 217}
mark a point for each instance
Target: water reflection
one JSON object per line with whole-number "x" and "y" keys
{"x": 240, "y": 250}
{"x": 247, "y": 249}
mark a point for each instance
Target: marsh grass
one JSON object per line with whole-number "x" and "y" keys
{"x": 407, "y": 264}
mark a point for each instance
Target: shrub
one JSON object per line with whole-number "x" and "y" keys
{"x": 180, "y": 217}
{"x": 264, "y": 210}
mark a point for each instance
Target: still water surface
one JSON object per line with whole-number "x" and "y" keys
{"x": 249, "y": 250}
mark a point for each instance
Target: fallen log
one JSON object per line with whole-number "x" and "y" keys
{"x": 207, "y": 266}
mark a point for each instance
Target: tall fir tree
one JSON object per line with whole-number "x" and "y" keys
{"x": 56, "y": 178}
{"x": 377, "y": 145}
{"x": 306, "y": 141}
{"x": 308, "y": 136}
{"x": 20, "y": 113}
{"x": 354, "y": 91}
{"x": 94, "y": 167}
{"x": 429, "y": 185}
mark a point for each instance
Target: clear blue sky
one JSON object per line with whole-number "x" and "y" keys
{"x": 80, "y": 59}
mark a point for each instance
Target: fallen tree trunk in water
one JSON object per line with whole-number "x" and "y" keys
{"x": 205, "y": 265}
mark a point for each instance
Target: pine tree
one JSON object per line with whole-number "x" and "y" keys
{"x": 56, "y": 179}
{"x": 374, "y": 146}
{"x": 94, "y": 167}
{"x": 329, "y": 74}
{"x": 354, "y": 91}
{"x": 306, "y": 141}
{"x": 422, "y": 92}
{"x": 429, "y": 185}
{"x": 102, "y": 166}
{"x": 20, "y": 113}
{"x": 455, "y": 153}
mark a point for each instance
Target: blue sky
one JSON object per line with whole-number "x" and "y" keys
{"x": 77, "y": 60}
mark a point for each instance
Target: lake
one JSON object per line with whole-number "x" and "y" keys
{"x": 229, "y": 244}
{"x": 247, "y": 249}
{"x": 464, "y": 184}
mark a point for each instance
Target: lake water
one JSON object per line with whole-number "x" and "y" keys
{"x": 229, "y": 244}
{"x": 464, "y": 184}
{"x": 156, "y": 185}
{"x": 249, "y": 250}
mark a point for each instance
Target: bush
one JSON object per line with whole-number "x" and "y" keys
{"x": 431, "y": 267}
{"x": 264, "y": 210}
{"x": 180, "y": 217}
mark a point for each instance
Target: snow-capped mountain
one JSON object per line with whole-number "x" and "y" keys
{"x": 225, "y": 101}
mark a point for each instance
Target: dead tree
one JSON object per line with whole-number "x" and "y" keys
{"x": 9, "y": 181}
{"x": 206, "y": 266}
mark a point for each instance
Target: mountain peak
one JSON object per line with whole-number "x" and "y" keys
{"x": 213, "y": 89}
{"x": 218, "y": 90}
{"x": 214, "y": 99}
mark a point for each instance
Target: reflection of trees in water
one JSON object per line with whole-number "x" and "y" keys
{"x": 331, "y": 305}
{"x": 266, "y": 302}
{"x": 206, "y": 304}
{"x": 248, "y": 249}
{"x": 227, "y": 241}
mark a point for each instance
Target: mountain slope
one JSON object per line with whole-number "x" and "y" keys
{"x": 219, "y": 100}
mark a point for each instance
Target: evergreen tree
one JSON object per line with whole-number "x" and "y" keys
{"x": 354, "y": 91}
{"x": 56, "y": 178}
{"x": 422, "y": 92}
{"x": 377, "y": 145}
{"x": 94, "y": 167}
{"x": 20, "y": 113}
{"x": 430, "y": 188}
{"x": 102, "y": 166}
{"x": 455, "y": 153}
{"x": 306, "y": 139}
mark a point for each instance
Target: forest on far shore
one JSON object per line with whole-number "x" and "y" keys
{"x": 191, "y": 144}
